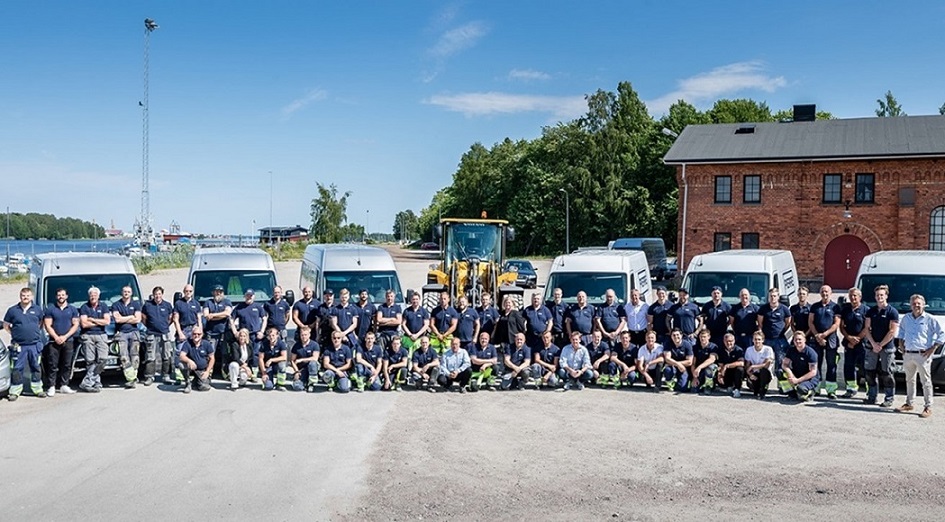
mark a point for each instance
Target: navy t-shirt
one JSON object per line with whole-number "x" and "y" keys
{"x": 126, "y": 310}
{"x": 365, "y": 318}
{"x": 305, "y": 310}
{"x": 422, "y": 358}
{"x": 520, "y": 356}
{"x": 536, "y": 320}
{"x": 746, "y": 319}
{"x": 271, "y": 350}
{"x": 339, "y": 357}
{"x": 549, "y": 354}
{"x": 249, "y": 316}
{"x": 582, "y": 319}
{"x": 216, "y": 327}
{"x": 304, "y": 351}
{"x": 24, "y": 324}
{"x": 610, "y": 315}
{"x": 345, "y": 315}
{"x": 61, "y": 317}
{"x": 157, "y": 317}
{"x": 374, "y": 356}
{"x": 277, "y": 312}
{"x": 775, "y": 319}
{"x": 716, "y": 317}
{"x": 487, "y": 318}
{"x": 484, "y": 353}
{"x": 824, "y": 315}
{"x": 99, "y": 311}
{"x": 415, "y": 319}
{"x": 443, "y": 317}
{"x": 395, "y": 356}
{"x": 625, "y": 353}
{"x": 679, "y": 352}
{"x": 199, "y": 354}
{"x": 853, "y": 319}
{"x": 880, "y": 320}
{"x": 659, "y": 313}
{"x": 800, "y": 360}
{"x": 701, "y": 353}
{"x": 800, "y": 317}
{"x": 558, "y": 312}
{"x": 389, "y": 312}
{"x": 684, "y": 317}
{"x": 723, "y": 356}
{"x": 187, "y": 312}
{"x": 466, "y": 326}
{"x": 598, "y": 351}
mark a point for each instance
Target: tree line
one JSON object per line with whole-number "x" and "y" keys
{"x": 48, "y": 226}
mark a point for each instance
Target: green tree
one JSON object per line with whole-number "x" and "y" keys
{"x": 889, "y": 107}
{"x": 328, "y": 212}
{"x": 351, "y": 232}
{"x": 941, "y": 110}
{"x": 788, "y": 115}
{"x": 405, "y": 225}
{"x": 740, "y": 111}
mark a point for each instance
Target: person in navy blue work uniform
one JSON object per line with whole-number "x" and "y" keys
{"x": 366, "y": 313}
{"x": 61, "y": 321}
{"x": 344, "y": 319}
{"x": 580, "y": 318}
{"x": 822, "y": 325}
{"x": 800, "y": 314}
{"x": 93, "y": 318}
{"x": 278, "y": 309}
{"x": 538, "y": 320}
{"x": 716, "y": 315}
{"x": 518, "y": 358}
{"x": 484, "y": 359}
{"x": 272, "y": 360}
{"x": 322, "y": 317}
{"x": 685, "y": 316}
{"x": 610, "y": 317}
{"x": 127, "y": 315}
{"x": 467, "y": 323}
{"x": 853, "y": 331}
{"x": 217, "y": 311}
{"x": 187, "y": 312}
{"x": 388, "y": 317}
{"x": 657, "y": 315}
{"x": 156, "y": 313}
{"x": 488, "y": 314}
{"x": 303, "y": 313}
{"x": 369, "y": 361}
{"x": 22, "y": 322}
{"x": 425, "y": 366}
{"x": 799, "y": 370}
{"x": 599, "y": 352}
{"x": 558, "y": 311}
{"x": 337, "y": 362}
{"x": 702, "y": 379}
{"x": 774, "y": 319}
{"x": 395, "y": 365}
{"x": 545, "y": 362}
{"x": 624, "y": 356}
{"x": 196, "y": 355}
{"x": 416, "y": 323}
{"x": 443, "y": 322}
{"x": 252, "y": 316}
{"x": 744, "y": 319}
{"x": 677, "y": 358}
{"x": 305, "y": 361}
{"x": 882, "y": 323}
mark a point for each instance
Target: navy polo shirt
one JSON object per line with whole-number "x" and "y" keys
{"x": 716, "y": 317}
{"x": 422, "y": 358}
{"x": 701, "y": 353}
{"x": 249, "y": 316}
{"x": 824, "y": 315}
{"x": 723, "y": 356}
{"x": 216, "y": 327}
{"x": 598, "y": 351}
{"x": 775, "y": 319}
{"x": 659, "y": 313}
{"x": 415, "y": 319}
{"x": 61, "y": 317}
{"x": 610, "y": 315}
{"x": 537, "y": 320}
{"x": 187, "y": 312}
{"x": 443, "y": 317}
{"x": 625, "y": 353}
{"x": 374, "y": 356}
{"x": 199, "y": 354}
{"x": 389, "y": 312}
{"x": 487, "y": 318}
{"x": 99, "y": 311}
{"x": 549, "y": 354}
{"x": 277, "y": 312}
{"x": 271, "y": 351}
{"x": 24, "y": 324}
{"x": 304, "y": 351}
{"x": 305, "y": 310}
{"x": 880, "y": 319}
{"x": 520, "y": 356}
{"x": 680, "y": 352}
{"x": 684, "y": 317}
{"x": 126, "y": 310}
{"x": 853, "y": 319}
{"x": 800, "y": 360}
{"x": 466, "y": 326}
{"x": 800, "y": 315}
{"x": 558, "y": 312}
{"x": 345, "y": 315}
{"x": 395, "y": 356}
{"x": 480, "y": 352}
{"x": 339, "y": 357}
{"x": 365, "y": 318}
{"x": 746, "y": 319}
{"x": 582, "y": 319}
{"x": 157, "y": 317}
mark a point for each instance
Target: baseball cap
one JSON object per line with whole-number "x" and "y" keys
{"x": 660, "y": 287}
{"x": 328, "y": 291}
{"x": 217, "y": 288}
{"x": 249, "y": 291}
{"x": 683, "y": 291}
{"x": 714, "y": 288}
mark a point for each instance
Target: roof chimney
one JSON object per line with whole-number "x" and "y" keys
{"x": 805, "y": 112}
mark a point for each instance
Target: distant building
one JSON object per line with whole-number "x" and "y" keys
{"x": 269, "y": 235}
{"x": 831, "y": 191}
{"x": 175, "y": 236}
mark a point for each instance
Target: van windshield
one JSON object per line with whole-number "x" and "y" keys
{"x": 376, "y": 283}
{"x": 234, "y": 283}
{"x": 77, "y": 286}
{"x": 595, "y": 284}
{"x": 654, "y": 249}
{"x": 699, "y": 285}
{"x": 903, "y": 286}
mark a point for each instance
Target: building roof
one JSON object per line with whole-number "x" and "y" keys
{"x": 282, "y": 230}
{"x": 821, "y": 140}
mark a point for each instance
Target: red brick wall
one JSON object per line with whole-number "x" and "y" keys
{"x": 791, "y": 215}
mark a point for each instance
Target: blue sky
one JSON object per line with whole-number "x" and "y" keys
{"x": 382, "y": 98}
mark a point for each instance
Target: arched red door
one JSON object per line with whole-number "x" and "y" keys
{"x": 842, "y": 261}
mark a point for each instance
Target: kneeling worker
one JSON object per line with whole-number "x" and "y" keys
{"x": 425, "y": 366}
{"x": 196, "y": 355}
{"x": 799, "y": 370}
{"x": 545, "y": 365}
{"x": 305, "y": 365}
{"x": 272, "y": 360}
{"x": 395, "y": 364}
{"x": 336, "y": 363}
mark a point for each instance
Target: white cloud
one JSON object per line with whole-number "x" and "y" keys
{"x": 300, "y": 103}
{"x": 721, "y": 81}
{"x": 458, "y": 39}
{"x": 528, "y": 75}
{"x": 486, "y": 103}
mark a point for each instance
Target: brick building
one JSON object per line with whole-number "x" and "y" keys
{"x": 831, "y": 191}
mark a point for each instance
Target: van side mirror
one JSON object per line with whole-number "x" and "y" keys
{"x": 290, "y": 297}
{"x": 841, "y": 300}
{"x": 673, "y": 297}
{"x": 437, "y": 232}
{"x": 510, "y": 234}
{"x": 785, "y": 300}
{"x": 177, "y": 297}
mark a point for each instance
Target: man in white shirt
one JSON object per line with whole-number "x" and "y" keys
{"x": 636, "y": 318}
{"x": 575, "y": 364}
{"x": 921, "y": 336}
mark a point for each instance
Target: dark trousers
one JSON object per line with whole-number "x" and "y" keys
{"x": 638, "y": 338}
{"x": 759, "y": 385}
{"x": 853, "y": 360}
{"x": 732, "y": 377}
{"x": 199, "y": 383}
{"x": 462, "y": 378}
{"x": 57, "y": 364}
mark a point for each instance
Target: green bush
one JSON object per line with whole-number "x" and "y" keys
{"x": 180, "y": 257}
{"x": 288, "y": 251}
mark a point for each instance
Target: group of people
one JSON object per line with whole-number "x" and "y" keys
{"x": 357, "y": 345}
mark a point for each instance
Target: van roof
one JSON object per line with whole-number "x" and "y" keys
{"x": 223, "y": 258}
{"x": 598, "y": 260}
{"x": 736, "y": 260}
{"x": 346, "y": 256}
{"x": 84, "y": 263}
{"x": 904, "y": 262}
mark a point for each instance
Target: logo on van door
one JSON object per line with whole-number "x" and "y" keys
{"x": 789, "y": 282}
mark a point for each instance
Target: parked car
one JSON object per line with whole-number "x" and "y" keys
{"x": 430, "y": 245}
{"x": 527, "y": 276}
{"x": 4, "y": 370}
{"x": 672, "y": 269}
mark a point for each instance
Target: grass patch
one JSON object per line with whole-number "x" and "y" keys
{"x": 288, "y": 251}
{"x": 10, "y": 279}
{"x": 180, "y": 257}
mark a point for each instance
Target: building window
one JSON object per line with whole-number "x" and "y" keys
{"x": 750, "y": 240}
{"x": 937, "y": 229}
{"x": 752, "y": 189}
{"x": 864, "y": 188}
{"x": 833, "y": 188}
{"x": 723, "y": 189}
{"x": 723, "y": 241}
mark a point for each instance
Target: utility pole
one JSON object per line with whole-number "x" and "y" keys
{"x": 143, "y": 228}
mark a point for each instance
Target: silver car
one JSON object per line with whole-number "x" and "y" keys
{"x": 4, "y": 369}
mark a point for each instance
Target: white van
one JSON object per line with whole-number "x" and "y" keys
{"x": 732, "y": 270}
{"x": 594, "y": 271}
{"x": 908, "y": 272}
{"x": 351, "y": 266}
{"x": 236, "y": 270}
{"x": 653, "y": 247}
